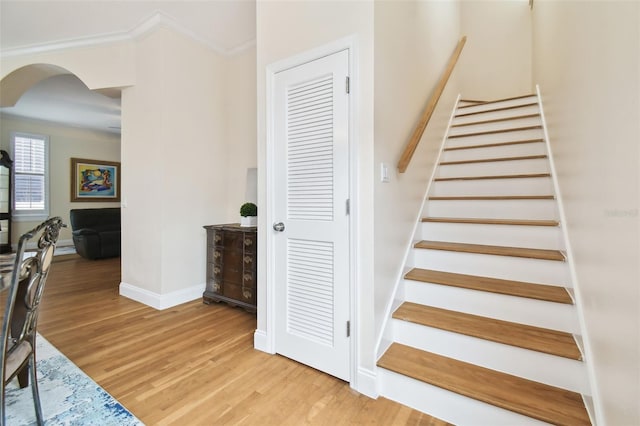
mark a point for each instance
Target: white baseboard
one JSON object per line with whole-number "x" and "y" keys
{"x": 367, "y": 383}
{"x": 64, "y": 243}
{"x": 34, "y": 244}
{"x": 261, "y": 342}
{"x": 161, "y": 301}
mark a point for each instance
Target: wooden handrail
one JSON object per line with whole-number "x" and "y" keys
{"x": 405, "y": 159}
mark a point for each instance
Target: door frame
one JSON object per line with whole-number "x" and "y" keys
{"x": 267, "y": 342}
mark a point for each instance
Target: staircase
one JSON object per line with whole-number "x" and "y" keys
{"x": 485, "y": 327}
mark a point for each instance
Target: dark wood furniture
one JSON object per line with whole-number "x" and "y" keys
{"x": 231, "y": 265}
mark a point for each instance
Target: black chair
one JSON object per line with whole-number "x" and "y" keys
{"x": 28, "y": 277}
{"x": 96, "y": 232}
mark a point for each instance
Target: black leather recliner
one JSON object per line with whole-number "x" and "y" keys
{"x": 96, "y": 232}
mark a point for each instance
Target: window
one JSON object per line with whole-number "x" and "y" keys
{"x": 30, "y": 176}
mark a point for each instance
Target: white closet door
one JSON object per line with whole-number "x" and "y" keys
{"x": 311, "y": 254}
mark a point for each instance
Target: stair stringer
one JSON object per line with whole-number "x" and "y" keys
{"x": 592, "y": 401}
{"x": 406, "y": 390}
{"x": 385, "y": 338}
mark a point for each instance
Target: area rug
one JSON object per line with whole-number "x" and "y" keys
{"x": 68, "y": 396}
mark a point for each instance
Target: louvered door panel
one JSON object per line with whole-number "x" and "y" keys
{"x": 310, "y": 150}
{"x": 310, "y": 290}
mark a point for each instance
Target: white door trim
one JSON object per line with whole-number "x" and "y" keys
{"x": 265, "y": 339}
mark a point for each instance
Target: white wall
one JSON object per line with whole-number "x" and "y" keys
{"x": 413, "y": 43}
{"x": 285, "y": 29}
{"x": 101, "y": 66}
{"x": 496, "y": 62}
{"x": 586, "y": 59}
{"x": 174, "y": 160}
{"x": 176, "y": 149}
{"x": 240, "y": 111}
{"x": 65, "y": 143}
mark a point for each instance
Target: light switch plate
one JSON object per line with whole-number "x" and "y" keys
{"x": 384, "y": 173}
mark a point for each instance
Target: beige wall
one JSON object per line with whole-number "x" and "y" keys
{"x": 308, "y": 26}
{"x": 64, "y": 143}
{"x": 414, "y": 41}
{"x": 586, "y": 60}
{"x": 176, "y": 152}
{"x": 240, "y": 114}
{"x": 496, "y": 61}
{"x": 103, "y": 66}
{"x": 174, "y": 162}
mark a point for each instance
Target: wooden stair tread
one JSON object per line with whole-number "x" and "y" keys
{"x": 495, "y": 109}
{"x": 521, "y": 176}
{"x": 494, "y": 250}
{"x": 544, "y": 292}
{"x": 492, "y": 145}
{"x": 483, "y": 221}
{"x": 503, "y": 100}
{"x": 491, "y": 197}
{"x": 493, "y": 160}
{"x": 533, "y": 399}
{"x": 496, "y": 120}
{"x": 524, "y": 336}
{"x": 493, "y": 132}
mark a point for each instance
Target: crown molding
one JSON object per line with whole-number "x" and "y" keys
{"x": 157, "y": 20}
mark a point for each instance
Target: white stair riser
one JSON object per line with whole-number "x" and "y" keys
{"x": 503, "y": 209}
{"x": 479, "y": 126}
{"x": 482, "y": 187}
{"x": 537, "y": 313}
{"x": 544, "y": 237}
{"x": 496, "y": 115}
{"x": 445, "y": 405}
{"x": 504, "y": 267}
{"x": 518, "y": 150}
{"x": 511, "y": 136}
{"x": 495, "y": 105}
{"x": 558, "y": 371}
{"x": 493, "y": 168}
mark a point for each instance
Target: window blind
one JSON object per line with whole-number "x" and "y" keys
{"x": 29, "y": 173}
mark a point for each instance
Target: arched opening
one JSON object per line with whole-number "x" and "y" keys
{"x": 50, "y": 102}
{"x": 13, "y": 86}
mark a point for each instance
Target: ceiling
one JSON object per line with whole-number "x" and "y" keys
{"x": 226, "y": 26}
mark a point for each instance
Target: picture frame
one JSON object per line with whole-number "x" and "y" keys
{"x": 95, "y": 180}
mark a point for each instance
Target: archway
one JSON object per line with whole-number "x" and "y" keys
{"x": 70, "y": 135}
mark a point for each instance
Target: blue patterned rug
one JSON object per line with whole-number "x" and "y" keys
{"x": 68, "y": 396}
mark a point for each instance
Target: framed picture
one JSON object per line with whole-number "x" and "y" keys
{"x": 93, "y": 180}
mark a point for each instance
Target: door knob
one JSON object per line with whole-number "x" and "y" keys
{"x": 278, "y": 226}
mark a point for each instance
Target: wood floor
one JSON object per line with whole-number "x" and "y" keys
{"x": 193, "y": 364}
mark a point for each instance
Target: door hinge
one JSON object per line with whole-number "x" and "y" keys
{"x": 348, "y": 207}
{"x": 347, "y": 85}
{"x": 348, "y": 328}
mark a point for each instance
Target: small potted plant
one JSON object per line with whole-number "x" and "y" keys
{"x": 248, "y": 214}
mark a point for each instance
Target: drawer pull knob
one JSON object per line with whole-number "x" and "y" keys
{"x": 248, "y": 241}
{"x": 218, "y": 238}
{"x": 246, "y": 294}
{"x": 248, "y": 259}
{"x": 247, "y": 277}
{"x": 216, "y": 270}
{"x": 216, "y": 254}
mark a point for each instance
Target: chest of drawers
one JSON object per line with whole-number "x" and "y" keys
{"x": 231, "y": 265}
